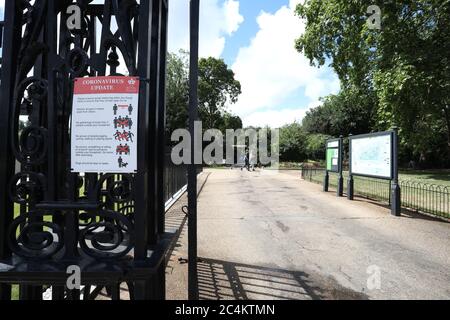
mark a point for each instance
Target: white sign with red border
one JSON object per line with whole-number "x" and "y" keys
{"x": 104, "y": 125}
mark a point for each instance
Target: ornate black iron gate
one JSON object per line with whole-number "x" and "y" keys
{"x": 111, "y": 226}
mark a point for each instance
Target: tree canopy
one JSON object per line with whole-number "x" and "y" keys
{"x": 297, "y": 145}
{"x": 217, "y": 88}
{"x": 177, "y": 92}
{"x": 340, "y": 114}
{"x": 399, "y": 75}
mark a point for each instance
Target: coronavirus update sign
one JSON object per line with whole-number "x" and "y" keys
{"x": 104, "y": 125}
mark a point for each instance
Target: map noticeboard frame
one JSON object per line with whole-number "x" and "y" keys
{"x": 368, "y": 137}
{"x": 333, "y": 148}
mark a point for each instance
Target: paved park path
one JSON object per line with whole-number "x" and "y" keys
{"x": 270, "y": 235}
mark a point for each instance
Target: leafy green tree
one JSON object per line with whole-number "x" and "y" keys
{"x": 292, "y": 143}
{"x": 340, "y": 114}
{"x": 403, "y": 69}
{"x": 229, "y": 121}
{"x": 333, "y": 34}
{"x": 315, "y": 146}
{"x": 177, "y": 92}
{"x": 217, "y": 87}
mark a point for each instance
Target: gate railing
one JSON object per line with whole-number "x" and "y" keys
{"x": 175, "y": 178}
{"x": 110, "y": 225}
{"x": 422, "y": 197}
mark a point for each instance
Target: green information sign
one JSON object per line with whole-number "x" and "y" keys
{"x": 332, "y": 156}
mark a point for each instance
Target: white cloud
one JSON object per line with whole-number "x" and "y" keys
{"x": 274, "y": 118}
{"x": 232, "y": 16}
{"x": 271, "y": 71}
{"x": 218, "y": 20}
{"x": 319, "y": 87}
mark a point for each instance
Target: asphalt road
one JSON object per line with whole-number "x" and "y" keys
{"x": 269, "y": 235}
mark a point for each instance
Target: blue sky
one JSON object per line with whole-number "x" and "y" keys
{"x": 256, "y": 39}
{"x": 249, "y": 9}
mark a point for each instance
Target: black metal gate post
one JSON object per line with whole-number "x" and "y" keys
{"x": 157, "y": 121}
{"x": 395, "y": 187}
{"x": 160, "y": 141}
{"x": 192, "y": 170}
{"x": 143, "y": 188}
{"x": 161, "y": 137}
{"x": 340, "y": 184}
{"x": 11, "y": 44}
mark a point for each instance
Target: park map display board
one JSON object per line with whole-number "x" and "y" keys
{"x": 104, "y": 125}
{"x": 332, "y": 156}
{"x": 371, "y": 155}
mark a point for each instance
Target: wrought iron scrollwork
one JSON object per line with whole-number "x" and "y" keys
{"x": 119, "y": 191}
{"x": 77, "y": 62}
{"x": 110, "y": 238}
{"x": 27, "y": 187}
{"x": 43, "y": 145}
{"x": 128, "y": 212}
{"x": 32, "y": 236}
{"x": 31, "y": 147}
{"x": 63, "y": 217}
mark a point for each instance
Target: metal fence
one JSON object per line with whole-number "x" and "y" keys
{"x": 175, "y": 178}
{"x": 422, "y": 197}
